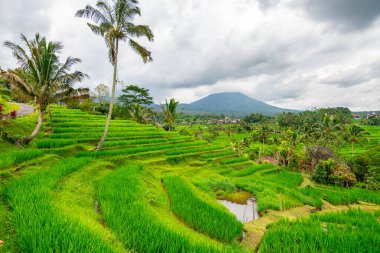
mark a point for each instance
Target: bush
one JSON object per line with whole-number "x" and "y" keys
{"x": 373, "y": 178}
{"x": 323, "y": 171}
{"x": 359, "y": 166}
{"x": 316, "y": 154}
{"x": 343, "y": 176}
{"x": 331, "y": 172}
{"x": 183, "y": 131}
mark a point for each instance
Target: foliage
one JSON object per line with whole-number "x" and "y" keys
{"x": 134, "y": 95}
{"x": 101, "y": 92}
{"x": 169, "y": 112}
{"x": 373, "y": 178}
{"x": 114, "y": 23}
{"x": 255, "y": 118}
{"x": 42, "y": 76}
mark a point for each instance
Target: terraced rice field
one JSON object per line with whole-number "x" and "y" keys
{"x": 154, "y": 191}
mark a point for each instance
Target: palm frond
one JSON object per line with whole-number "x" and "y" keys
{"x": 142, "y": 51}
{"x": 139, "y": 31}
{"x": 91, "y": 13}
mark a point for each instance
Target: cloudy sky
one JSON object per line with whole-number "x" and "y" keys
{"x": 291, "y": 53}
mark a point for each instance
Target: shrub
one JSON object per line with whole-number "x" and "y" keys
{"x": 343, "y": 176}
{"x": 359, "y": 165}
{"x": 323, "y": 171}
{"x": 373, "y": 178}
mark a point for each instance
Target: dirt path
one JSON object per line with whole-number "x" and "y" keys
{"x": 25, "y": 109}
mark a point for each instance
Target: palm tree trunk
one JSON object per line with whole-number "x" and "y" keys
{"x": 352, "y": 149}
{"x": 100, "y": 144}
{"x": 37, "y": 129}
{"x": 51, "y": 119}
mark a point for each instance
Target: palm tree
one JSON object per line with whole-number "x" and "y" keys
{"x": 114, "y": 23}
{"x": 169, "y": 112}
{"x": 141, "y": 114}
{"x": 328, "y": 130}
{"x": 262, "y": 135}
{"x": 41, "y": 75}
{"x": 355, "y": 134}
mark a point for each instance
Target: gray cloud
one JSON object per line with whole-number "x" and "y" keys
{"x": 269, "y": 50}
{"x": 344, "y": 14}
{"x": 355, "y": 76}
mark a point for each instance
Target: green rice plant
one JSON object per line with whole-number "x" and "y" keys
{"x": 144, "y": 141}
{"x": 18, "y": 156}
{"x": 234, "y": 160}
{"x": 135, "y": 222}
{"x": 39, "y": 226}
{"x": 205, "y": 216}
{"x": 93, "y": 129}
{"x": 350, "y": 231}
{"x": 54, "y": 143}
{"x": 217, "y": 155}
{"x": 136, "y": 150}
{"x": 252, "y": 170}
{"x": 97, "y": 135}
{"x": 192, "y": 150}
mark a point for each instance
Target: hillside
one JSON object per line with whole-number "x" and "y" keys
{"x": 154, "y": 191}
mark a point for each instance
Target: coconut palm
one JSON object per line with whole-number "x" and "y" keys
{"x": 263, "y": 133}
{"x": 41, "y": 75}
{"x": 328, "y": 130}
{"x": 355, "y": 133}
{"x": 141, "y": 114}
{"x": 114, "y": 23}
{"x": 169, "y": 112}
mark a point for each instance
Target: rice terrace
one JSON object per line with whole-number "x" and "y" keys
{"x": 108, "y": 160}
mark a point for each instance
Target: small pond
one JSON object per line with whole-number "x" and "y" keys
{"x": 244, "y": 213}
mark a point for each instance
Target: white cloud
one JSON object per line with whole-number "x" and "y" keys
{"x": 276, "y": 51}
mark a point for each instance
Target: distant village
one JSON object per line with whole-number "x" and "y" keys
{"x": 366, "y": 115}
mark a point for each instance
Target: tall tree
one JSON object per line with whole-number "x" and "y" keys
{"x": 355, "y": 133}
{"x": 262, "y": 135}
{"x": 169, "y": 111}
{"x": 102, "y": 91}
{"x": 114, "y": 23}
{"x": 132, "y": 96}
{"x": 41, "y": 75}
{"x": 328, "y": 130}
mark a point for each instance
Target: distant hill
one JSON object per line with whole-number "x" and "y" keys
{"x": 231, "y": 103}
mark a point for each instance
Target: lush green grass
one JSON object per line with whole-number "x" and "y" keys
{"x": 351, "y": 231}
{"x": 205, "y": 216}
{"x": 130, "y": 216}
{"x": 39, "y": 226}
{"x": 134, "y": 213}
{"x": 54, "y": 143}
{"x": 18, "y": 156}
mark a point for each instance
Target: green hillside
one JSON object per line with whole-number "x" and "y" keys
{"x": 149, "y": 190}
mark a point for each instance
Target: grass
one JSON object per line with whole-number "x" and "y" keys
{"x": 349, "y": 231}
{"x": 205, "y": 216}
{"x": 18, "y": 156}
{"x": 130, "y": 217}
{"x": 136, "y": 150}
{"x": 39, "y": 226}
{"x": 109, "y": 205}
{"x": 234, "y": 160}
{"x": 54, "y": 143}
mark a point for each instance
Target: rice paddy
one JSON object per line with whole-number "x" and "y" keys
{"x": 154, "y": 191}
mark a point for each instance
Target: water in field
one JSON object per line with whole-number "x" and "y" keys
{"x": 244, "y": 213}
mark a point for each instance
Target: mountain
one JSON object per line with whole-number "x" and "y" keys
{"x": 230, "y": 103}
